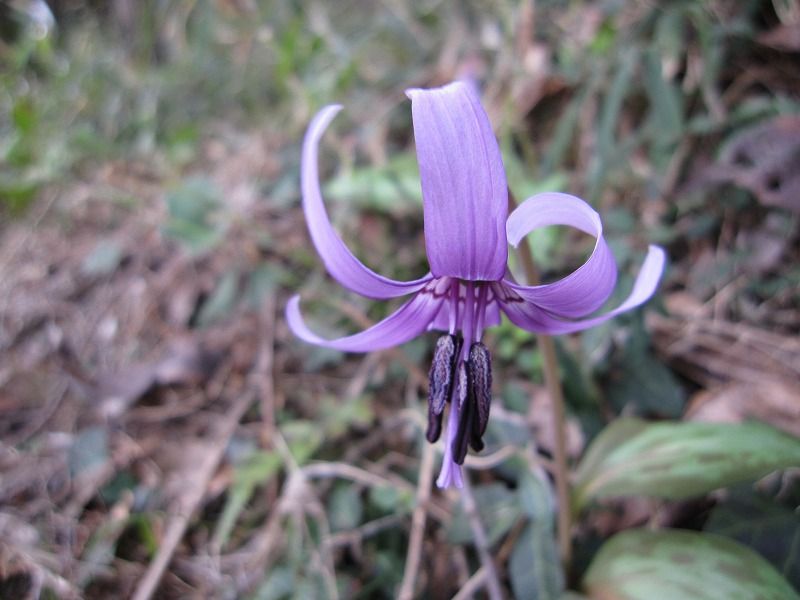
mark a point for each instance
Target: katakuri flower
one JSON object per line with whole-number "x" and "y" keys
{"x": 465, "y": 204}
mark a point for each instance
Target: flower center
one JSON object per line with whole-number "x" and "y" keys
{"x": 461, "y": 372}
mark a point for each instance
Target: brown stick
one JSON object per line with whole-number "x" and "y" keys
{"x": 191, "y": 500}
{"x": 414, "y": 555}
{"x": 492, "y": 582}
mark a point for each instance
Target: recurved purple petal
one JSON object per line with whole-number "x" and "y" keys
{"x": 531, "y": 317}
{"x": 340, "y": 262}
{"x": 584, "y": 290}
{"x": 404, "y": 324}
{"x": 463, "y": 183}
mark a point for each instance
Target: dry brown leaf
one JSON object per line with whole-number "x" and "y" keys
{"x": 542, "y": 422}
{"x": 783, "y": 37}
{"x": 764, "y": 159}
{"x": 183, "y": 362}
{"x": 714, "y": 351}
{"x": 774, "y": 401}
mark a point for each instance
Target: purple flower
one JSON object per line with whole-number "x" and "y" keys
{"x": 466, "y": 238}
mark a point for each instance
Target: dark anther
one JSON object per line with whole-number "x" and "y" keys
{"x": 480, "y": 383}
{"x": 475, "y": 407}
{"x": 466, "y": 418}
{"x": 440, "y": 380}
{"x": 434, "y": 426}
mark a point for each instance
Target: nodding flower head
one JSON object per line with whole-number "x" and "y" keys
{"x": 467, "y": 232}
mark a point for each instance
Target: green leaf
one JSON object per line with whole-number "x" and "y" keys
{"x": 303, "y": 438}
{"x": 339, "y": 415}
{"x": 279, "y": 583}
{"x": 103, "y": 259}
{"x": 534, "y": 568}
{"x": 387, "y": 499}
{"x": 24, "y": 115}
{"x": 392, "y": 188}
{"x": 762, "y": 524}
{"x": 256, "y": 470}
{"x": 89, "y": 450}
{"x": 192, "y": 207}
{"x": 221, "y": 301}
{"x": 345, "y": 507}
{"x": 17, "y": 193}
{"x": 607, "y": 148}
{"x": 498, "y": 509}
{"x": 655, "y": 565}
{"x": 562, "y": 138}
{"x": 640, "y": 381}
{"x": 679, "y": 460}
{"x": 665, "y": 100}
{"x": 264, "y": 280}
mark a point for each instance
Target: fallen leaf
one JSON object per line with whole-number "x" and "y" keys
{"x": 764, "y": 159}
{"x": 185, "y": 362}
{"x": 782, "y": 37}
{"x": 774, "y": 402}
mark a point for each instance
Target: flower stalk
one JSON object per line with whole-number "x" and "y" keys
{"x": 552, "y": 382}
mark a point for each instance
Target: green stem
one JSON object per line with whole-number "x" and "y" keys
{"x": 553, "y": 383}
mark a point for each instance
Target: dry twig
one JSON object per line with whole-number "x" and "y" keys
{"x": 481, "y": 542}
{"x": 418, "y": 518}
{"x": 191, "y": 499}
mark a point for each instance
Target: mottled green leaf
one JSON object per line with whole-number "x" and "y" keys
{"x": 664, "y": 565}
{"x": 679, "y": 460}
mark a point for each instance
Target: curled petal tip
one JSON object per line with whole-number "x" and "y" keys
{"x": 658, "y": 253}
{"x": 590, "y": 285}
{"x": 340, "y": 262}
{"x": 531, "y": 317}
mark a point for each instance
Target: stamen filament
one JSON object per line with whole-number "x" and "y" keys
{"x": 480, "y": 311}
{"x": 454, "y": 306}
{"x": 468, "y": 327}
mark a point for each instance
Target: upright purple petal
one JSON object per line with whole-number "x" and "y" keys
{"x": 340, "y": 262}
{"x": 587, "y": 288}
{"x": 532, "y": 317}
{"x": 404, "y": 324}
{"x": 463, "y": 183}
